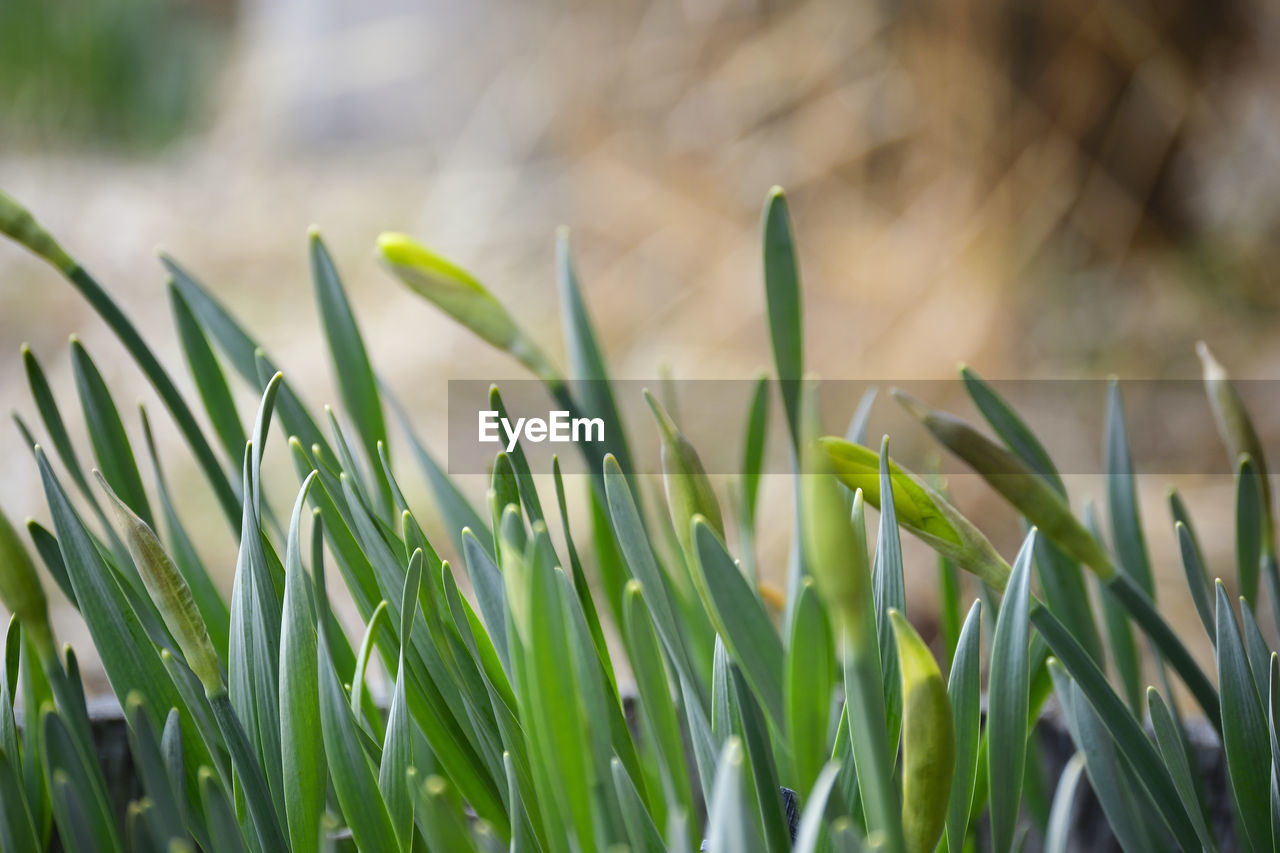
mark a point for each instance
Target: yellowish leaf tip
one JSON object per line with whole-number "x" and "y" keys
{"x": 313, "y": 233}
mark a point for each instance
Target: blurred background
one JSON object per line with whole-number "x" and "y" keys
{"x": 1061, "y": 189}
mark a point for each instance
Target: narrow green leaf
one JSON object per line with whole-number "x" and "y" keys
{"x": 1110, "y": 711}
{"x": 224, "y": 831}
{"x": 17, "y": 827}
{"x": 1110, "y": 779}
{"x": 964, "y": 690}
{"x": 1238, "y": 435}
{"x": 47, "y": 405}
{"x": 639, "y": 556}
{"x": 1062, "y": 818}
{"x": 440, "y": 817}
{"x": 1169, "y": 739}
{"x": 809, "y": 833}
{"x": 810, "y": 680}
{"x": 753, "y": 446}
{"x": 856, "y": 432}
{"x": 1122, "y": 497}
{"x": 360, "y": 696}
{"x": 18, "y": 223}
{"x": 305, "y": 778}
{"x": 1249, "y": 524}
{"x": 889, "y": 591}
{"x": 1008, "y": 698}
{"x": 586, "y": 360}
{"x": 580, "y": 583}
{"x": 1244, "y": 730}
{"x": 782, "y": 297}
{"x": 351, "y": 364}
{"x": 161, "y": 790}
{"x": 211, "y": 383}
{"x": 127, "y": 653}
{"x": 658, "y": 711}
{"x": 764, "y": 772}
{"x": 397, "y": 748}
{"x": 730, "y": 825}
{"x": 65, "y": 761}
{"x": 46, "y": 545}
{"x": 836, "y": 548}
{"x": 747, "y": 630}
{"x": 1012, "y": 429}
{"x": 1197, "y": 579}
{"x": 106, "y": 433}
{"x": 641, "y": 831}
{"x": 350, "y": 771}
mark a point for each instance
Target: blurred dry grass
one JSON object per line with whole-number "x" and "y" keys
{"x": 1062, "y": 189}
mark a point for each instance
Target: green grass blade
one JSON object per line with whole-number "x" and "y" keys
{"x": 1249, "y": 524}
{"x": 1057, "y": 836}
{"x": 731, "y": 828}
{"x": 161, "y": 790}
{"x": 1124, "y": 729}
{"x": 760, "y": 762}
{"x": 1109, "y": 778}
{"x": 443, "y": 825}
{"x": 658, "y": 711}
{"x": 1245, "y": 739}
{"x": 46, "y": 545}
{"x": 640, "y": 559}
{"x": 305, "y": 773}
{"x": 586, "y": 360}
{"x": 1122, "y": 496}
{"x": 18, "y": 223}
{"x": 964, "y": 690}
{"x": 1013, "y": 431}
{"x": 1238, "y": 435}
{"x": 351, "y": 365}
{"x": 243, "y": 352}
{"x": 224, "y": 831}
{"x": 47, "y": 405}
{"x": 809, "y": 679}
{"x": 782, "y": 297}
{"x": 397, "y": 747}
{"x": 17, "y": 827}
{"x": 110, "y": 442}
{"x": 350, "y": 771}
{"x": 520, "y": 465}
{"x": 1169, "y": 739}
{"x": 580, "y": 583}
{"x": 889, "y": 591}
{"x": 753, "y": 446}
{"x": 211, "y": 383}
{"x": 837, "y": 550}
{"x": 1197, "y": 578}
{"x": 82, "y": 778}
{"x": 748, "y": 632}
{"x": 128, "y": 655}
{"x": 1008, "y": 698}
{"x": 642, "y": 834}
{"x": 812, "y": 819}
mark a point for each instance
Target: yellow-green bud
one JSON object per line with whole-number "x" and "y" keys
{"x": 168, "y": 589}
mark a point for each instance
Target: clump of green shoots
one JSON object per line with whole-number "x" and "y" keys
{"x": 253, "y": 728}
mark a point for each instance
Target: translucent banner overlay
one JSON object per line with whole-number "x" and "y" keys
{"x": 1170, "y": 424}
